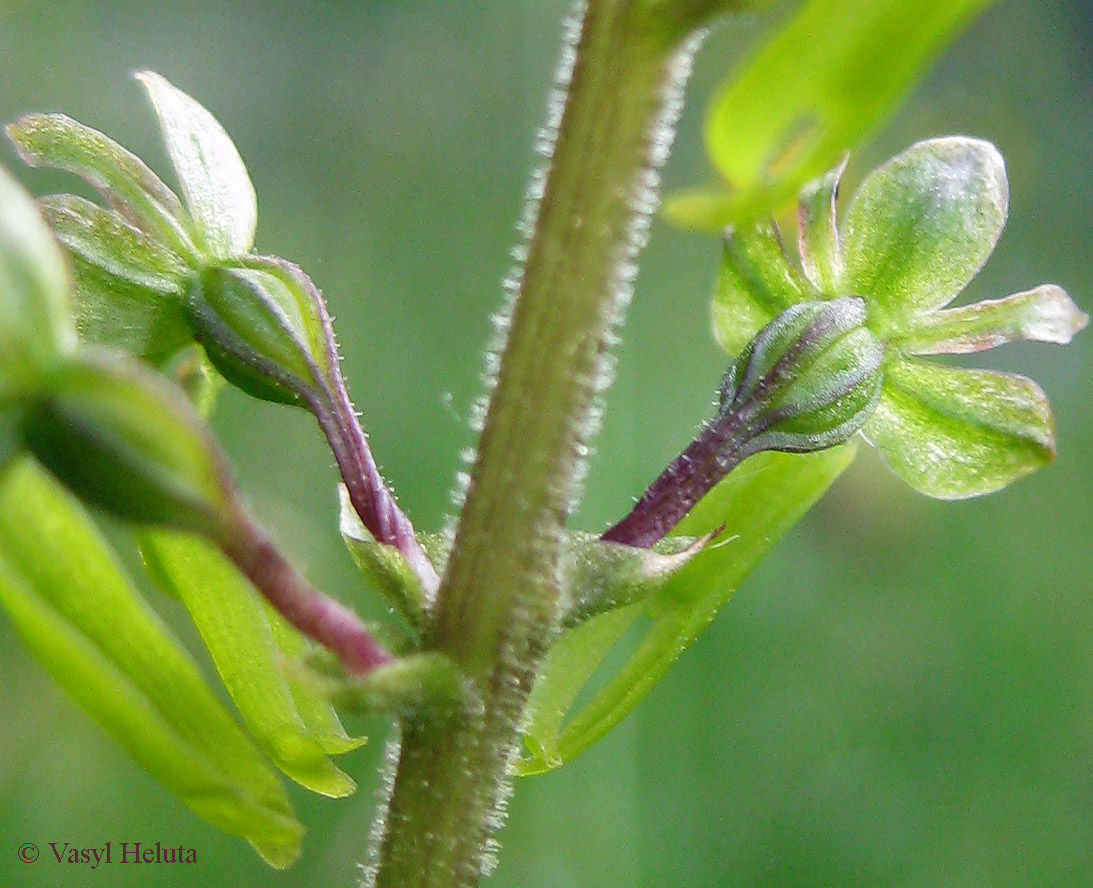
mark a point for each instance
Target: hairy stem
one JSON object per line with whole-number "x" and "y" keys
{"x": 498, "y": 605}
{"x": 719, "y": 448}
{"x": 372, "y": 501}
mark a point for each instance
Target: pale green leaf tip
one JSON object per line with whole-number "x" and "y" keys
{"x": 281, "y": 854}
{"x": 706, "y": 210}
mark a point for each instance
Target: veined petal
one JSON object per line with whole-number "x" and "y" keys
{"x": 921, "y": 226}
{"x": 818, "y": 231}
{"x": 1044, "y": 314}
{"x": 214, "y": 181}
{"x": 953, "y": 433}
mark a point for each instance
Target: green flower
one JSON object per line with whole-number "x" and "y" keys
{"x": 918, "y": 230}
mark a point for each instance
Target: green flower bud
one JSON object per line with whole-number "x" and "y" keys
{"x": 122, "y": 439}
{"x": 264, "y": 327}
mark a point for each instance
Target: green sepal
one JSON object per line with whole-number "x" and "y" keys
{"x": 754, "y": 507}
{"x": 73, "y": 607}
{"x": 599, "y": 575}
{"x": 827, "y": 77}
{"x": 264, "y": 327}
{"x": 755, "y": 283}
{"x": 36, "y": 327}
{"x": 116, "y": 313}
{"x": 104, "y": 238}
{"x": 1043, "y": 314}
{"x": 233, "y": 623}
{"x": 214, "y": 181}
{"x": 920, "y": 227}
{"x": 123, "y": 439}
{"x": 383, "y": 566}
{"x": 127, "y": 184}
{"x": 953, "y": 433}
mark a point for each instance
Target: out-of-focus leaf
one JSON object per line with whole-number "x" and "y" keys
{"x": 211, "y": 174}
{"x": 233, "y": 624}
{"x": 824, "y": 80}
{"x": 123, "y": 439}
{"x": 757, "y": 504}
{"x": 953, "y": 433}
{"x": 921, "y": 226}
{"x": 1043, "y": 314}
{"x": 54, "y": 140}
{"x": 73, "y": 607}
{"x": 104, "y": 238}
{"x": 572, "y": 661}
{"x": 35, "y": 325}
{"x": 755, "y": 283}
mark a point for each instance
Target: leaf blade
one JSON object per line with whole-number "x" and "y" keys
{"x": 825, "y": 79}
{"x": 233, "y": 624}
{"x": 757, "y": 504}
{"x": 79, "y": 615}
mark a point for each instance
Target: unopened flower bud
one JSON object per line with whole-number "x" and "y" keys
{"x": 264, "y": 327}
{"x": 807, "y": 381}
{"x": 124, "y": 440}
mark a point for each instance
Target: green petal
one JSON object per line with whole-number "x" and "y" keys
{"x": 953, "y": 433}
{"x": 755, "y": 282}
{"x": 921, "y": 226}
{"x": 105, "y": 239}
{"x": 35, "y": 322}
{"x": 57, "y": 141}
{"x": 214, "y": 181}
{"x": 76, "y": 611}
{"x": 232, "y": 620}
{"x": 1045, "y": 314}
{"x": 115, "y": 312}
{"x": 818, "y": 232}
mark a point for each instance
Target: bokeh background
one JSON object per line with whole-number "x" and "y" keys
{"x": 901, "y": 695}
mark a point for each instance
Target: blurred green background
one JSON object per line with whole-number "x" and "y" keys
{"x": 901, "y": 695}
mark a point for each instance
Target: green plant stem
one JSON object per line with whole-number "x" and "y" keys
{"x": 498, "y": 605}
